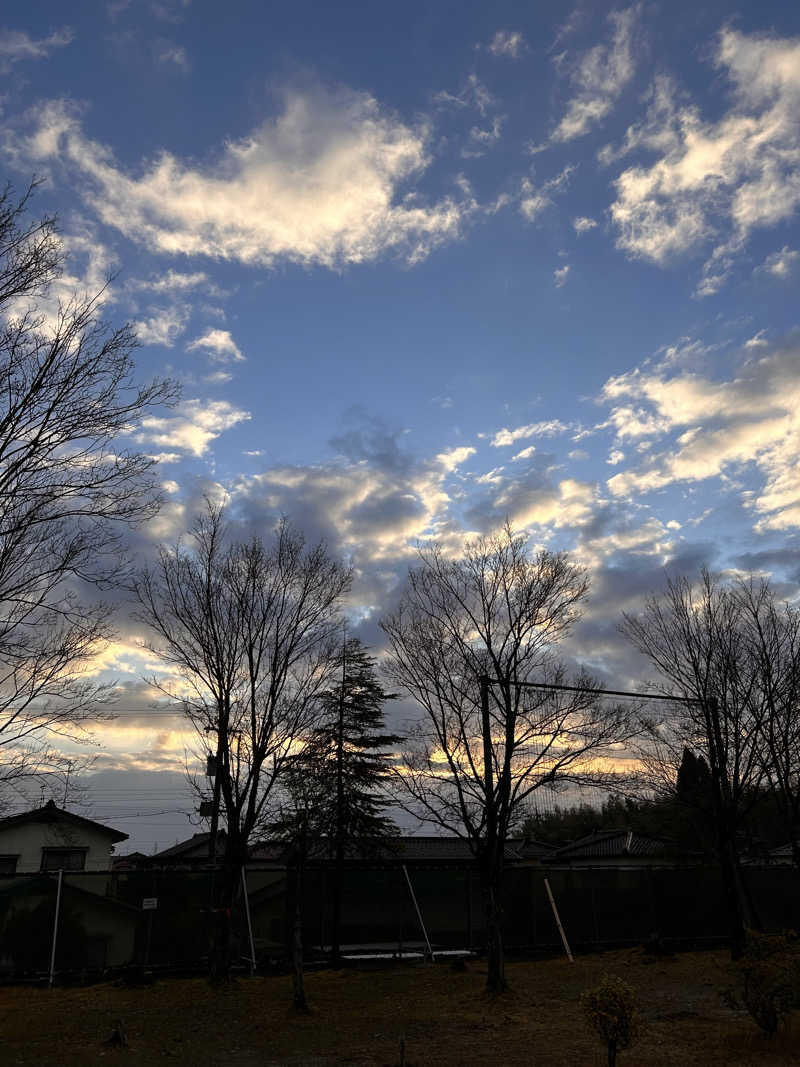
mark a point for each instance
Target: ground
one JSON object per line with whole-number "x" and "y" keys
{"x": 359, "y": 1017}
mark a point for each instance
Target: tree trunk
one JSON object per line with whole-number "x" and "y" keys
{"x": 612, "y": 1053}
{"x": 299, "y": 1002}
{"x": 336, "y": 909}
{"x": 495, "y": 973}
{"x": 222, "y": 953}
{"x": 741, "y": 914}
{"x": 795, "y": 843}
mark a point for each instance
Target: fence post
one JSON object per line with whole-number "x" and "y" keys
{"x": 419, "y": 913}
{"x": 558, "y": 921}
{"x": 55, "y": 928}
{"x": 249, "y": 924}
{"x": 469, "y": 908}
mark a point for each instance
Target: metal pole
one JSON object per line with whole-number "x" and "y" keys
{"x": 558, "y": 921}
{"x": 487, "y": 738}
{"x": 249, "y": 924}
{"x": 419, "y": 913}
{"x": 55, "y": 928}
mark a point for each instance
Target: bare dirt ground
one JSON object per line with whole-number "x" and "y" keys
{"x": 359, "y": 1017}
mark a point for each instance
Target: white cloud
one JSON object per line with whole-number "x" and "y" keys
{"x": 16, "y": 45}
{"x": 548, "y": 428}
{"x": 569, "y": 503}
{"x": 757, "y": 341}
{"x": 599, "y": 76}
{"x": 526, "y": 453}
{"x": 533, "y": 200}
{"x": 164, "y": 326}
{"x": 193, "y": 426}
{"x": 375, "y": 508}
{"x": 219, "y": 345}
{"x": 482, "y": 139}
{"x": 454, "y": 457}
{"x": 472, "y": 94}
{"x": 582, "y": 224}
{"x": 715, "y": 179}
{"x": 508, "y": 43}
{"x": 560, "y": 274}
{"x": 749, "y": 421}
{"x": 170, "y": 282}
{"x": 324, "y": 182}
{"x": 166, "y": 457}
{"x": 87, "y": 267}
{"x": 168, "y": 54}
{"x": 780, "y": 264}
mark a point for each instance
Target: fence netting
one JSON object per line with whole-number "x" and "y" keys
{"x": 109, "y": 921}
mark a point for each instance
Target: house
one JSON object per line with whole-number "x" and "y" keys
{"x": 620, "y": 848}
{"x": 95, "y": 930}
{"x": 51, "y": 839}
{"x": 186, "y": 855}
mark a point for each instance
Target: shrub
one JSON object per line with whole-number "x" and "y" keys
{"x": 611, "y": 1011}
{"x": 769, "y": 978}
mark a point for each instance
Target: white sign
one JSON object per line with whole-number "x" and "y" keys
{"x": 149, "y": 903}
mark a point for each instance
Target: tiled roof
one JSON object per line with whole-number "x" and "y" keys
{"x": 194, "y": 848}
{"x": 531, "y": 849}
{"x": 52, "y": 814}
{"x": 399, "y": 849}
{"x": 608, "y": 843}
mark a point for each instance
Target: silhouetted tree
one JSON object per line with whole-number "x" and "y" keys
{"x": 67, "y": 489}
{"x": 297, "y": 823}
{"x": 773, "y": 644}
{"x": 248, "y": 626}
{"x": 482, "y": 748}
{"x": 696, "y": 636}
{"x": 347, "y": 755}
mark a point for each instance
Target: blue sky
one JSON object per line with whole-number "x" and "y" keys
{"x": 421, "y": 267}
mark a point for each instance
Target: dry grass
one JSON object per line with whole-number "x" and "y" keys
{"x": 359, "y": 1018}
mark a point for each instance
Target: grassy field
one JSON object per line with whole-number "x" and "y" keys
{"x": 359, "y": 1017}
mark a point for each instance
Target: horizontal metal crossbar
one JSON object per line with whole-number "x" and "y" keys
{"x": 601, "y": 692}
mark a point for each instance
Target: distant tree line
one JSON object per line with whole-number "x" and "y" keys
{"x": 681, "y": 817}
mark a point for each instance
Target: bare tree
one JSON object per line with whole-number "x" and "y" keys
{"x": 248, "y": 627}
{"x": 67, "y": 490}
{"x": 698, "y": 638}
{"x": 773, "y": 647}
{"x": 467, "y": 637}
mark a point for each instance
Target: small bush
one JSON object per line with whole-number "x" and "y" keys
{"x": 769, "y": 979}
{"x": 611, "y": 1011}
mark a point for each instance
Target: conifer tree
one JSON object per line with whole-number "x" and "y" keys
{"x": 349, "y": 754}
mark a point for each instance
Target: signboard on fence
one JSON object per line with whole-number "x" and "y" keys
{"x": 149, "y": 903}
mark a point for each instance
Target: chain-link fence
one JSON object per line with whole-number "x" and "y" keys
{"x": 94, "y": 923}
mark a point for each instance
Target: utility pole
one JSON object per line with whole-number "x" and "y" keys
{"x": 66, "y": 783}
{"x": 212, "y": 837}
{"x": 339, "y": 843}
{"x": 488, "y": 756}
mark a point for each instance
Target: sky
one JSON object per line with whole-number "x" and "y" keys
{"x": 424, "y": 267}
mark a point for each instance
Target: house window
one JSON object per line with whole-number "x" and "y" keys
{"x": 68, "y": 859}
{"x": 8, "y": 864}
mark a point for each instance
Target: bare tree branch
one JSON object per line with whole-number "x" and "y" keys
{"x": 67, "y": 489}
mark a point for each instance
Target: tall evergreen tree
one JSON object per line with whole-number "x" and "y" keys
{"x": 349, "y": 753}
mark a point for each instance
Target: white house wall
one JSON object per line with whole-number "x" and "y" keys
{"x": 28, "y": 839}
